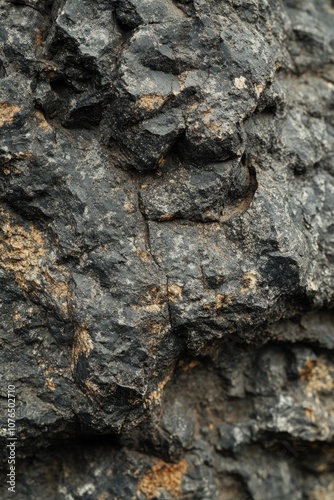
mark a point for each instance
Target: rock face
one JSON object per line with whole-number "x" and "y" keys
{"x": 167, "y": 248}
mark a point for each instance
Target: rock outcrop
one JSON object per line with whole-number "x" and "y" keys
{"x": 167, "y": 248}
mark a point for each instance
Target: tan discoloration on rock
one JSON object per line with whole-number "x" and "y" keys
{"x": 323, "y": 492}
{"x": 129, "y": 207}
{"x": 16, "y": 317}
{"x": 182, "y": 79}
{"x": 309, "y": 414}
{"x": 92, "y": 388}
{"x": 161, "y": 162}
{"x": 21, "y": 155}
{"x": 39, "y": 38}
{"x": 271, "y": 35}
{"x": 186, "y": 367}
{"x": 152, "y": 308}
{"x": 51, "y": 71}
{"x": 50, "y": 384}
{"x": 323, "y": 468}
{"x": 157, "y": 329}
{"x": 42, "y": 123}
{"x": 223, "y": 301}
{"x": 10, "y": 170}
{"x": 105, "y": 496}
{"x": 163, "y": 476}
{"x": 9, "y": 164}
{"x": 23, "y": 252}
{"x": 82, "y": 344}
{"x": 58, "y": 288}
{"x": 174, "y": 292}
{"x": 209, "y": 122}
{"x": 155, "y": 396}
{"x": 143, "y": 255}
{"x": 319, "y": 376}
{"x": 154, "y": 331}
{"x": 151, "y": 101}
{"x": 249, "y": 281}
{"x": 19, "y": 321}
{"x": 152, "y": 300}
{"x": 306, "y": 372}
{"x": 166, "y": 217}
{"x": 7, "y": 113}
{"x": 192, "y": 107}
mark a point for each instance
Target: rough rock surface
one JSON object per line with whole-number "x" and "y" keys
{"x": 167, "y": 248}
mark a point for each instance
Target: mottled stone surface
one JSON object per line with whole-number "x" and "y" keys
{"x": 167, "y": 248}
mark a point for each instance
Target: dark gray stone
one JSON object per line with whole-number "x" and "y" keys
{"x": 166, "y": 247}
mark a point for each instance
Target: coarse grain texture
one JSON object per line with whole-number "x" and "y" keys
{"x": 167, "y": 248}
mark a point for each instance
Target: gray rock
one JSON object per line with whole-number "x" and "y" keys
{"x": 166, "y": 248}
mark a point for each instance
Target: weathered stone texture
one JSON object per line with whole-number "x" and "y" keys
{"x": 167, "y": 247}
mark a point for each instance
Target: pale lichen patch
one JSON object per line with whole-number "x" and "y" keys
{"x": 240, "y": 83}
{"x": 259, "y": 88}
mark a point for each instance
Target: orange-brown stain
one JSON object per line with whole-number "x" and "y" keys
{"x": 174, "y": 292}
{"x": 23, "y": 252}
{"x": 249, "y": 281}
{"x": 163, "y": 476}
{"x": 223, "y": 301}
{"x": 166, "y": 217}
{"x": 319, "y": 376}
{"x": 186, "y": 367}
{"x": 82, "y": 344}
{"x": 151, "y": 101}
{"x": 155, "y": 396}
{"x": 7, "y": 113}
{"x": 41, "y": 122}
{"x": 210, "y": 123}
{"x": 325, "y": 492}
{"x": 50, "y": 384}
{"x": 39, "y": 38}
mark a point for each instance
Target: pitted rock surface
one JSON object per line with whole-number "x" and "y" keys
{"x": 167, "y": 248}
